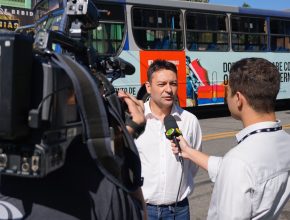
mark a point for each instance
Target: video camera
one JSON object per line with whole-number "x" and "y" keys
{"x": 39, "y": 116}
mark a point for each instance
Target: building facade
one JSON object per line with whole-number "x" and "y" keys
{"x": 15, "y": 13}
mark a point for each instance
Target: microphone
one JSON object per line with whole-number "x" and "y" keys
{"x": 172, "y": 131}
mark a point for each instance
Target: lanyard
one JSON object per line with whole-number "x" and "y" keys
{"x": 260, "y": 131}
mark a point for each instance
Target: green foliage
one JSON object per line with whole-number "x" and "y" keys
{"x": 246, "y": 5}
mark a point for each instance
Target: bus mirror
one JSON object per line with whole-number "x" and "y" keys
{"x": 116, "y": 67}
{"x": 126, "y": 67}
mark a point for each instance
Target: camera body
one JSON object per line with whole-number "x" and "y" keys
{"x": 16, "y": 71}
{"x": 39, "y": 116}
{"x": 37, "y": 121}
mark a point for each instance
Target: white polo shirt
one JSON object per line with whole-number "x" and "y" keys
{"x": 160, "y": 168}
{"x": 252, "y": 181}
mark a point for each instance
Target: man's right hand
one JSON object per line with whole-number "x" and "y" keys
{"x": 135, "y": 108}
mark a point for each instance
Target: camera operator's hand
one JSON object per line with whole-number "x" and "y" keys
{"x": 136, "y": 111}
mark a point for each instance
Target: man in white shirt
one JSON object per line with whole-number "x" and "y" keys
{"x": 161, "y": 169}
{"x": 252, "y": 181}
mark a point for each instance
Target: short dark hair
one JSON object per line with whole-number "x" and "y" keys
{"x": 258, "y": 80}
{"x": 160, "y": 65}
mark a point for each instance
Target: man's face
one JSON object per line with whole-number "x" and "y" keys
{"x": 163, "y": 88}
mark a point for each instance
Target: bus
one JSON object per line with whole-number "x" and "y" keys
{"x": 15, "y": 13}
{"x": 202, "y": 39}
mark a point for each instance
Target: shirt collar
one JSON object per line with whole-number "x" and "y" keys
{"x": 175, "y": 110}
{"x": 260, "y": 125}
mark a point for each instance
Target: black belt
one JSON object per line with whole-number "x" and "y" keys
{"x": 182, "y": 203}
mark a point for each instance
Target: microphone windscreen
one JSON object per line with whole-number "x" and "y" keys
{"x": 170, "y": 122}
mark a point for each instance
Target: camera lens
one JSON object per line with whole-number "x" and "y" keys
{"x": 25, "y": 167}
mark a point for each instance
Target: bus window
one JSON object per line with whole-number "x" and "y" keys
{"x": 156, "y": 29}
{"x": 206, "y": 32}
{"x": 107, "y": 38}
{"x": 249, "y": 33}
{"x": 280, "y": 35}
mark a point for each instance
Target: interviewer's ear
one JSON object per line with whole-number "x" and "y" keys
{"x": 240, "y": 99}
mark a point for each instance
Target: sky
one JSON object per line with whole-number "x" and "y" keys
{"x": 262, "y": 4}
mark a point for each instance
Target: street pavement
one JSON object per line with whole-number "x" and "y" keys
{"x": 218, "y": 135}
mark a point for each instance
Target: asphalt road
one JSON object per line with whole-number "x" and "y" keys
{"x": 218, "y": 138}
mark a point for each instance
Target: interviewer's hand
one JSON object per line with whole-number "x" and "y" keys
{"x": 135, "y": 107}
{"x": 200, "y": 158}
{"x": 184, "y": 146}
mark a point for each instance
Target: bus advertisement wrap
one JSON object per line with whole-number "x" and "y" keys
{"x": 176, "y": 57}
{"x": 202, "y": 77}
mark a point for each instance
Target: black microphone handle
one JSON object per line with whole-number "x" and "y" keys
{"x": 180, "y": 158}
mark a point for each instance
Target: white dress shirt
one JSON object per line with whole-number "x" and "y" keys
{"x": 160, "y": 168}
{"x": 252, "y": 180}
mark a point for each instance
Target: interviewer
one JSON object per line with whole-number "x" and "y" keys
{"x": 252, "y": 180}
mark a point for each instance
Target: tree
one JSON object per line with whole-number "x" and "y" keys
{"x": 246, "y": 5}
